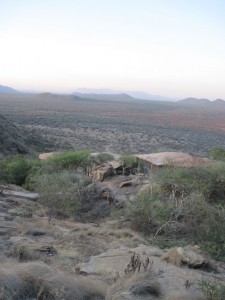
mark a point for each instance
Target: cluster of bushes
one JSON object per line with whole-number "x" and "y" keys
{"x": 21, "y": 169}
{"x": 208, "y": 180}
{"x": 187, "y": 204}
{"x": 62, "y": 193}
{"x": 14, "y": 170}
{"x": 60, "y": 180}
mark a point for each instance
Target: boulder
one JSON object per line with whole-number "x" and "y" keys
{"x": 189, "y": 255}
{"x": 26, "y": 195}
{"x": 103, "y": 172}
{"x": 126, "y": 183}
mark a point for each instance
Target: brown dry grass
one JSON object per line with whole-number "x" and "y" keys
{"x": 138, "y": 286}
{"x": 37, "y": 280}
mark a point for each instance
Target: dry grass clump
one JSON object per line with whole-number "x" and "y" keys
{"x": 24, "y": 252}
{"x": 139, "y": 286}
{"x": 36, "y": 280}
{"x": 107, "y": 233}
{"x": 121, "y": 234}
{"x": 139, "y": 281}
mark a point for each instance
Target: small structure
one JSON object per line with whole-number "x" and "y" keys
{"x": 151, "y": 164}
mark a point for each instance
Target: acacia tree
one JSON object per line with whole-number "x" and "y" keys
{"x": 59, "y": 193}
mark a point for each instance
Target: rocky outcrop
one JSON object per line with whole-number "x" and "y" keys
{"x": 189, "y": 255}
{"x": 103, "y": 172}
{"x": 26, "y": 195}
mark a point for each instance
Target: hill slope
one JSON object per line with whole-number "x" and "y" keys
{"x": 196, "y": 101}
{"x": 11, "y": 141}
{"x": 7, "y": 90}
{"x": 120, "y": 97}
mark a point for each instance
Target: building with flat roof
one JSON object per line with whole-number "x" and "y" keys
{"x": 152, "y": 163}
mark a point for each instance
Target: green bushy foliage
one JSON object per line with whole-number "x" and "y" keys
{"x": 217, "y": 153}
{"x": 208, "y": 180}
{"x": 146, "y": 212}
{"x": 60, "y": 193}
{"x": 14, "y": 170}
{"x": 129, "y": 162}
{"x": 70, "y": 159}
{"x": 22, "y": 170}
{"x": 184, "y": 205}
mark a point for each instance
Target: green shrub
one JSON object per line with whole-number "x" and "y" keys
{"x": 14, "y": 170}
{"x": 190, "y": 218}
{"x": 60, "y": 193}
{"x": 141, "y": 212}
{"x": 70, "y": 160}
{"x": 129, "y": 162}
{"x": 208, "y": 180}
{"x": 217, "y": 153}
{"x": 73, "y": 160}
{"x": 36, "y": 170}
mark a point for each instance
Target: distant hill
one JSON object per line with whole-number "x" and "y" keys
{"x": 196, "y": 101}
{"x": 11, "y": 141}
{"x": 219, "y": 101}
{"x": 146, "y": 96}
{"x": 134, "y": 94}
{"x": 104, "y": 96}
{"x": 47, "y": 95}
{"x": 7, "y": 90}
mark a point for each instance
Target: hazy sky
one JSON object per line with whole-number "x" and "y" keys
{"x": 167, "y": 47}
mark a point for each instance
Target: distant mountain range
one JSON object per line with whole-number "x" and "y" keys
{"x": 118, "y": 95}
{"x": 85, "y": 92}
{"x": 7, "y": 90}
{"x": 196, "y": 101}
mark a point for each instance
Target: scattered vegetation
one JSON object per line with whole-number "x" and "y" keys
{"x": 212, "y": 289}
{"x": 39, "y": 281}
{"x": 60, "y": 193}
{"x": 217, "y": 153}
{"x": 70, "y": 160}
{"x": 185, "y": 204}
{"x": 101, "y": 158}
{"x": 139, "y": 281}
{"x": 15, "y": 169}
{"x": 64, "y": 123}
{"x": 136, "y": 264}
{"x": 129, "y": 163}
{"x": 207, "y": 180}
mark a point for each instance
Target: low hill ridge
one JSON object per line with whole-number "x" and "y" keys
{"x": 121, "y": 96}
{"x": 7, "y": 90}
{"x": 192, "y": 100}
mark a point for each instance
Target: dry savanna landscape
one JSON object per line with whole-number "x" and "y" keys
{"x": 112, "y": 150}
{"x": 94, "y": 220}
{"x": 118, "y": 124}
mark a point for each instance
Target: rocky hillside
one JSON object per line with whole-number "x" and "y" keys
{"x": 11, "y": 140}
{"x": 73, "y": 260}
